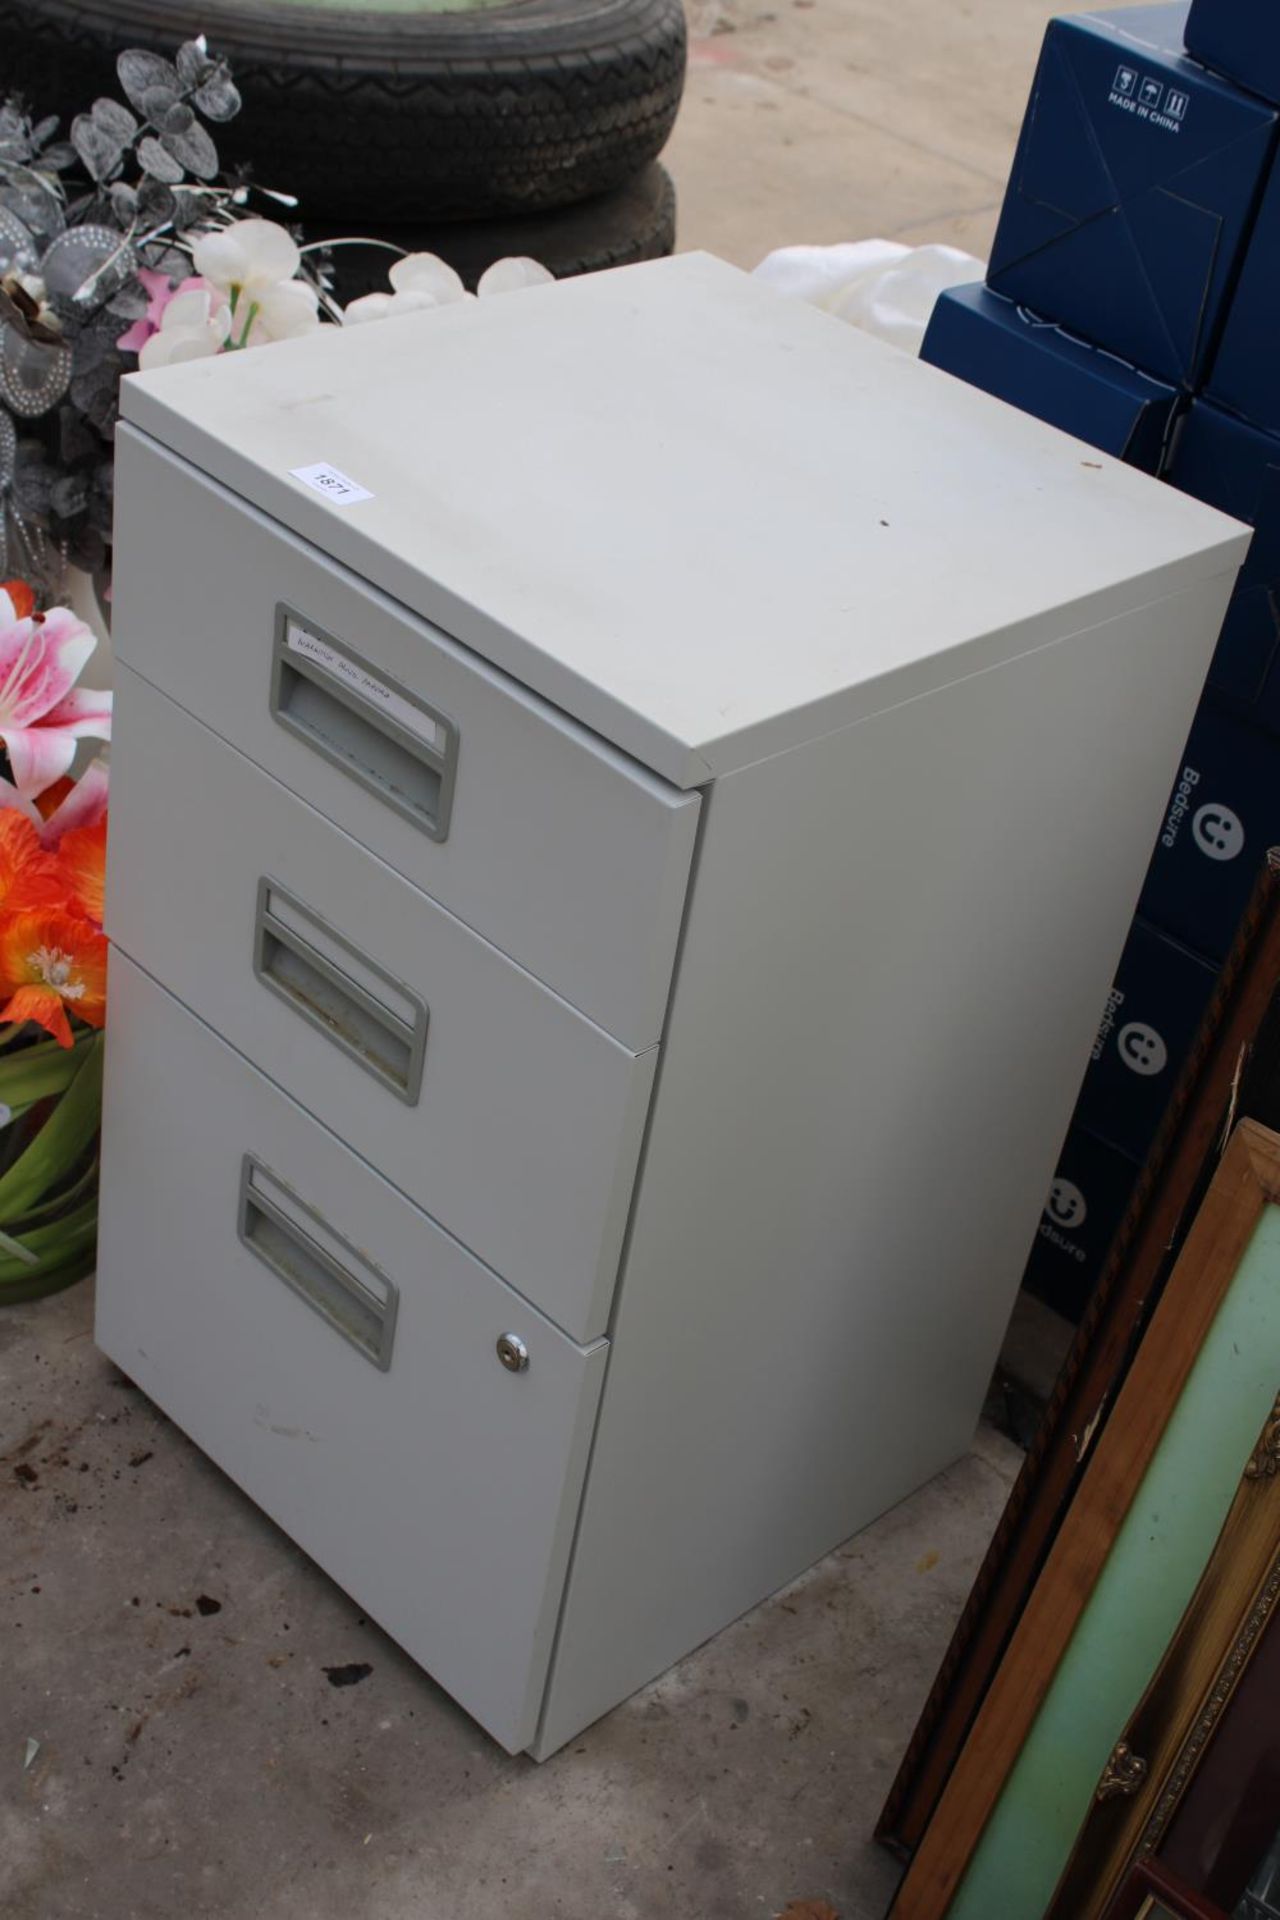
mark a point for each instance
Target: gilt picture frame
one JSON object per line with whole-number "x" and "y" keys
{"x": 1155, "y": 1491}
{"x": 1233, "y": 1072}
{"x": 1152, "y": 1893}
{"x": 1168, "y": 1738}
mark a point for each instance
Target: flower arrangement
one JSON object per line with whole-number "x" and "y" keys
{"x": 53, "y": 952}
{"x": 122, "y": 246}
{"x": 98, "y": 238}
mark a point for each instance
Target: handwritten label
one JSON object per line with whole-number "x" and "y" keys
{"x": 376, "y": 693}
{"x": 337, "y": 489}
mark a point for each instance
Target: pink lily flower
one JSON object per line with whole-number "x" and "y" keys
{"x": 42, "y": 711}
{"x": 79, "y": 803}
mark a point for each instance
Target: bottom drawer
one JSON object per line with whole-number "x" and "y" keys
{"x": 337, "y": 1354}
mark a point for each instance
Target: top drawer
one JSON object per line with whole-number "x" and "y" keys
{"x": 563, "y": 853}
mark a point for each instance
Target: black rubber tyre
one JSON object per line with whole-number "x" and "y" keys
{"x": 527, "y": 105}
{"x": 633, "y": 223}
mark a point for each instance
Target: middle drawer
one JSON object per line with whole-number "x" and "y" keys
{"x": 468, "y": 1084}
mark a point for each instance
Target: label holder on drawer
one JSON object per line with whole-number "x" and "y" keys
{"x": 363, "y": 721}
{"x": 299, "y": 1246}
{"x": 375, "y": 1019}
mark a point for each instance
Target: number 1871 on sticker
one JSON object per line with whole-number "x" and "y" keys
{"x": 335, "y": 486}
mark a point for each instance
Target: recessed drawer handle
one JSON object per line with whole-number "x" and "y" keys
{"x": 375, "y": 730}
{"x": 298, "y": 1245}
{"x": 374, "y": 1018}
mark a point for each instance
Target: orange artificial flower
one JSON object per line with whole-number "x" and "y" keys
{"x": 21, "y": 597}
{"x": 82, "y": 856}
{"x": 53, "y": 963}
{"x": 29, "y": 876}
{"x": 48, "y": 802}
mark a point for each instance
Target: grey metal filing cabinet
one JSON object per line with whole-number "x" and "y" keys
{"x": 627, "y": 800}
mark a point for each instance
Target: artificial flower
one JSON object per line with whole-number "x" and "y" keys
{"x": 385, "y": 306}
{"x": 42, "y": 712}
{"x": 64, "y": 805}
{"x": 21, "y": 601}
{"x": 247, "y": 257}
{"x": 419, "y": 281}
{"x": 512, "y": 275}
{"x": 193, "y": 325}
{"x": 160, "y": 290}
{"x": 423, "y": 280}
{"x": 280, "y": 313}
{"x": 82, "y": 859}
{"x": 427, "y": 273}
{"x": 29, "y": 875}
{"x": 53, "y": 963}
{"x": 80, "y": 803}
{"x": 252, "y": 263}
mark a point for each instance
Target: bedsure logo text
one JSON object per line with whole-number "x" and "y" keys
{"x": 1107, "y": 1025}
{"x": 1183, "y": 795}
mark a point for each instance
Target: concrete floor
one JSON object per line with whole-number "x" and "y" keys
{"x": 170, "y": 1742}
{"x": 823, "y": 120}
{"x": 168, "y": 1650}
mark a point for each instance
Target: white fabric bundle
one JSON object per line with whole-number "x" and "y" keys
{"x": 881, "y": 286}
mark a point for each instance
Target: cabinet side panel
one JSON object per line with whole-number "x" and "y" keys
{"x": 899, "y": 942}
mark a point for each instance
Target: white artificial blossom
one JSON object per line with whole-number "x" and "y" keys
{"x": 422, "y": 280}
{"x": 253, "y": 263}
{"x": 512, "y": 276}
{"x": 193, "y": 326}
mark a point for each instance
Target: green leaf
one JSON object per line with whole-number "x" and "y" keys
{"x": 62, "y": 1202}
{"x": 61, "y": 1142}
{"x": 55, "y": 1240}
{"x": 39, "y": 1071}
{"x": 49, "y": 1278}
{"x": 64, "y": 1252}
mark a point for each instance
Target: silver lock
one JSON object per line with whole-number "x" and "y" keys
{"x": 513, "y": 1352}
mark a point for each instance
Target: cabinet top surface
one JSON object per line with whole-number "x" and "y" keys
{"x": 706, "y": 521}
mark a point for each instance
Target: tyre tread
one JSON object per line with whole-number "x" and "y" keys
{"x": 579, "y": 97}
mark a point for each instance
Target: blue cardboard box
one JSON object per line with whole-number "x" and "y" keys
{"x": 1236, "y": 468}
{"x": 1241, "y": 38}
{"x": 1245, "y": 374}
{"x": 1033, "y": 364}
{"x": 1148, "y": 1025}
{"x": 1133, "y": 190}
{"x": 1222, "y": 816}
{"x": 1085, "y": 1206}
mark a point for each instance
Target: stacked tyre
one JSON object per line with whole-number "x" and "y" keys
{"x": 468, "y": 128}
